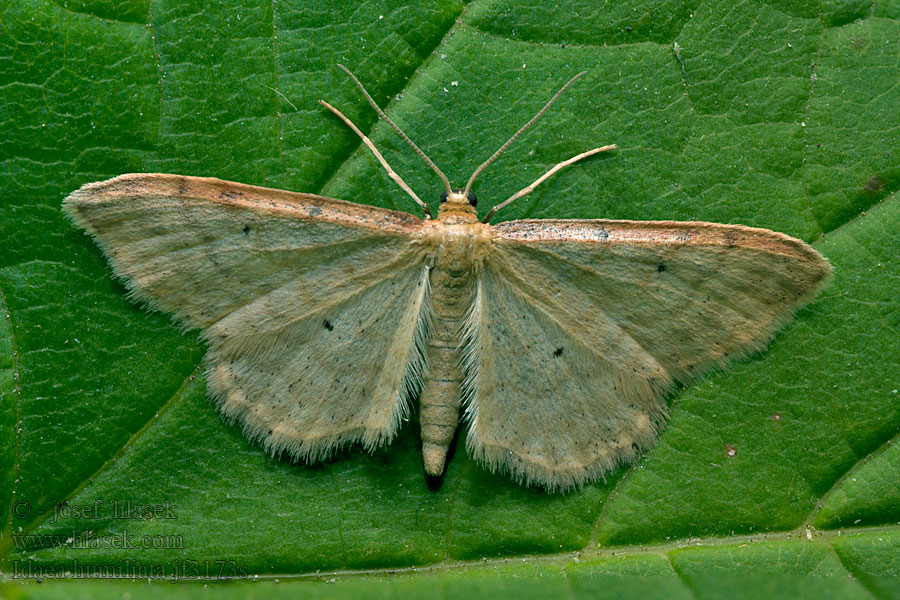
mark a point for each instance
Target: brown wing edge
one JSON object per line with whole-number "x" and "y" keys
{"x": 288, "y": 204}
{"x": 281, "y": 203}
{"x": 653, "y": 232}
{"x": 650, "y": 233}
{"x": 640, "y": 232}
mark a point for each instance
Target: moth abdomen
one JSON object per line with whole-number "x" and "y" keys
{"x": 441, "y": 398}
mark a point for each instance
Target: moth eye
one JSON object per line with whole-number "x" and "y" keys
{"x": 473, "y": 200}
{"x": 443, "y": 197}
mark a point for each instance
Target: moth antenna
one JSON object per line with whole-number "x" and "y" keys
{"x": 394, "y": 126}
{"x": 530, "y": 188}
{"x": 524, "y": 128}
{"x": 391, "y": 173}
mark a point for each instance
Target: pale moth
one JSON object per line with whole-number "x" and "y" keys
{"x": 559, "y": 340}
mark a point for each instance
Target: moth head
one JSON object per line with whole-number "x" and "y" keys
{"x": 458, "y": 205}
{"x": 460, "y": 197}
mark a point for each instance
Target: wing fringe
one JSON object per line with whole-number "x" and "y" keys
{"x": 417, "y": 364}
{"x": 470, "y": 349}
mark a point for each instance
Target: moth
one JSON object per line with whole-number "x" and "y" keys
{"x": 555, "y": 341}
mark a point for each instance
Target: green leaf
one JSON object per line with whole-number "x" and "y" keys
{"x": 773, "y": 114}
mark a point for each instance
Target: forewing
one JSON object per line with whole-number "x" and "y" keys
{"x": 313, "y": 308}
{"x": 580, "y": 328}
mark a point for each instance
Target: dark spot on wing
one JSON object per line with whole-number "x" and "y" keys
{"x": 246, "y": 229}
{"x": 327, "y": 325}
{"x": 558, "y": 352}
{"x": 660, "y": 268}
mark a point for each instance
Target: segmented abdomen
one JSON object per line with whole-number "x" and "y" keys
{"x": 440, "y": 400}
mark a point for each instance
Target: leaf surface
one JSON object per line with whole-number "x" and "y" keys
{"x": 773, "y": 114}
